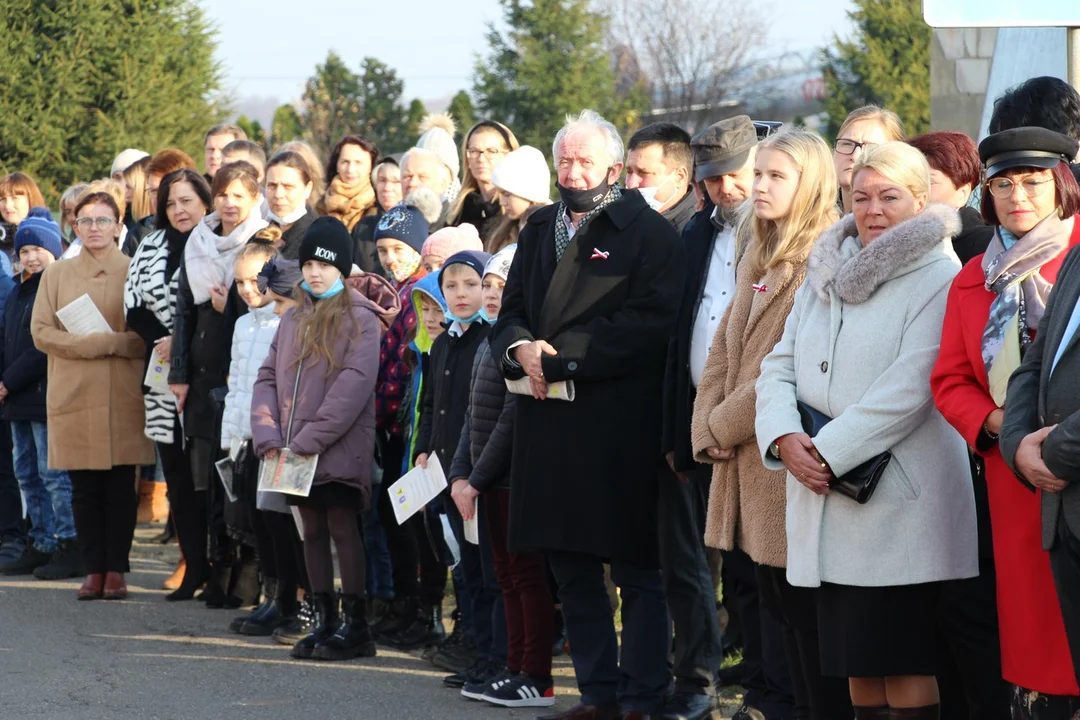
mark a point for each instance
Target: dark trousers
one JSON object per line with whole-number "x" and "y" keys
{"x": 795, "y": 609}
{"x": 1065, "y": 566}
{"x": 105, "y": 504}
{"x": 188, "y": 505}
{"x": 640, "y": 680}
{"x": 478, "y": 596}
{"x": 11, "y": 509}
{"x": 688, "y": 584}
{"x": 970, "y": 680}
{"x": 766, "y": 677}
{"x": 526, "y": 591}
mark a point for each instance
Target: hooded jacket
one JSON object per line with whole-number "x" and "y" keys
{"x": 334, "y": 414}
{"x": 421, "y": 347}
{"x": 394, "y": 369}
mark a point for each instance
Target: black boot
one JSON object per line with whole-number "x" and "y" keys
{"x": 399, "y": 616}
{"x": 269, "y": 597}
{"x": 217, "y": 587}
{"x": 272, "y": 617}
{"x": 299, "y": 625}
{"x": 426, "y": 629}
{"x": 66, "y": 563}
{"x": 926, "y": 712}
{"x": 326, "y": 622}
{"x": 353, "y": 636}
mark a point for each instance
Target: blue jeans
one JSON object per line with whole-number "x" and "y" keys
{"x": 380, "y": 572}
{"x": 47, "y": 492}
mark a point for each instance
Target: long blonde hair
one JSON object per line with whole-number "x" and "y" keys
{"x": 135, "y": 177}
{"x": 813, "y": 209}
{"x": 320, "y": 322}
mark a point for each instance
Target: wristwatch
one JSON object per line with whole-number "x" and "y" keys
{"x": 774, "y": 450}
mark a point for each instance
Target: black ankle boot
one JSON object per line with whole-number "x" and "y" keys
{"x": 397, "y": 618}
{"x": 299, "y": 624}
{"x": 872, "y": 713}
{"x": 353, "y": 636}
{"x": 269, "y": 598}
{"x": 926, "y": 712}
{"x": 217, "y": 587}
{"x": 426, "y": 629}
{"x": 326, "y": 623}
{"x": 272, "y": 617}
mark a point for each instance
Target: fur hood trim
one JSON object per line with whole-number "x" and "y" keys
{"x": 856, "y": 275}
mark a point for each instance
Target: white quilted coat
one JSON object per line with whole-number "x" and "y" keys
{"x": 251, "y": 344}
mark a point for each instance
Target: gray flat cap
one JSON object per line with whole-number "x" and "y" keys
{"x": 723, "y": 147}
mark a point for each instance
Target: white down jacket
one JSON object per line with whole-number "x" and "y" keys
{"x": 251, "y": 344}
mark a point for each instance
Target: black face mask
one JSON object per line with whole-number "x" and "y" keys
{"x": 583, "y": 201}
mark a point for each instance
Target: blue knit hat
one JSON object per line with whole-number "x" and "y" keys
{"x": 405, "y": 223}
{"x": 475, "y": 259}
{"x": 39, "y": 229}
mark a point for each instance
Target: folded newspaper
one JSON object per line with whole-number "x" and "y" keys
{"x": 563, "y": 390}
{"x": 288, "y": 473}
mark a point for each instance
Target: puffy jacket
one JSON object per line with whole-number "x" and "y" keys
{"x": 252, "y": 337}
{"x": 487, "y": 438}
{"x": 23, "y": 368}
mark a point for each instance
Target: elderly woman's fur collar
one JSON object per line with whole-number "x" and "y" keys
{"x": 856, "y": 276}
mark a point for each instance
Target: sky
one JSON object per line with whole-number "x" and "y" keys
{"x": 268, "y": 48}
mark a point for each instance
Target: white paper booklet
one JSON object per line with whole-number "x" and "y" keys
{"x": 157, "y": 374}
{"x": 288, "y": 473}
{"x": 563, "y": 390}
{"x": 417, "y": 488}
{"x": 82, "y": 317}
{"x": 472, "y": 527}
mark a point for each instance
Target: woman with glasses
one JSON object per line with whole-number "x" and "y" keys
{"x": 484, "y": 147}
{"x": 862, "y": 129}
{"x": 1031, "y": 198}
{"x": 94, "y": 399}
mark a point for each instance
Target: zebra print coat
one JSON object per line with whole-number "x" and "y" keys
{"x": 149, "y": 300}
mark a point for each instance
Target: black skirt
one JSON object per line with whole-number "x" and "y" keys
{"x": 331, "y": 494}
{"x": 870, "y": 632}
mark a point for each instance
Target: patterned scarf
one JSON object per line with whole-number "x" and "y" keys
{"x": 562, "y": 234}
{"x": 349, "y": 203}
{"x": 1012, "y": 273}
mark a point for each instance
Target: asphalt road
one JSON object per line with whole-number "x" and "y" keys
{"x": 145, "y": 658}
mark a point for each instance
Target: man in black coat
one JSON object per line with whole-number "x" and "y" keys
{"x": 659, "y": 165}
{"x": 724, "y": 161}
{"x": 590, "y": 298}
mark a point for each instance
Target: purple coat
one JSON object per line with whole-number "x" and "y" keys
{"x": 335, "y": 413}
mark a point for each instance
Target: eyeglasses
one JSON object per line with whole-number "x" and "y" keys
{"x": 489, "y": 153}
{"x": 1002, "y": 188}
{"x": 101, "y": 223}
{"x": 848, "y": 147}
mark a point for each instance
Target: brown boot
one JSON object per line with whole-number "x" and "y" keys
{"x": 174, "y": 581}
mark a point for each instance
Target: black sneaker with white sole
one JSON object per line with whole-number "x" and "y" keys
{"x": 476, "y": 690}
{"x": 522, "y": 691}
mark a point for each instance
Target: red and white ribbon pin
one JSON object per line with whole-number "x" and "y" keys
{"x": 598, "y": 254}
{"x": 760, "y": 287}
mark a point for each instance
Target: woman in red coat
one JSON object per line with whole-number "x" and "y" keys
{"x": 994, "y": 306}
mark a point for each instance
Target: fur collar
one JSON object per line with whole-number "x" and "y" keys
{"x": 840, "y": 262}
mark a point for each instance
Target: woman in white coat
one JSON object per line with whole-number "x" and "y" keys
{"x": 858, "y": 347}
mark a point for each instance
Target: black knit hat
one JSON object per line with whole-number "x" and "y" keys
{"x": 327, "y": 240}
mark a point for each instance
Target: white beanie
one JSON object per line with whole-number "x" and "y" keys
{"x": 499, "y": 264}
{"x": 126, "y": 159}
{"x": 524, "y": 172}
{"x": 437, "y": 135}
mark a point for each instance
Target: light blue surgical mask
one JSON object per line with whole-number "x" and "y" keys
{"x": 334, "y": 290}
{"x": 478, "y": 315}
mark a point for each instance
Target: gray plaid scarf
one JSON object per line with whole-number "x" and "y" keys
{"x": 562, "y": 234}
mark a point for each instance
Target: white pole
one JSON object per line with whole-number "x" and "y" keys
{"x": 1073, "y": 45}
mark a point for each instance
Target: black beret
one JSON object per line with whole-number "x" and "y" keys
{"x": 1025, "y": 147}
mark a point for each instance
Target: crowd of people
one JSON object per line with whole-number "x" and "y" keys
{"x": 803, "y": 416}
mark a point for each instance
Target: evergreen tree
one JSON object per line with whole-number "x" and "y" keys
{"x": 384, "y": 117}
{"x": 462, "y": 110}
{"x": 80, "y": 82}
{"x": 551, "y": 61}
{"x": 417, "y": 112}
{"x": 886, "y": 63}
{"x": 253, "y": 129}
{"x": 332, "y": 104}
{"x": 287, "y": 125}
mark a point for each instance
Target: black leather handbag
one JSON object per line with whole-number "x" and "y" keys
{"x": 858, "y": 484}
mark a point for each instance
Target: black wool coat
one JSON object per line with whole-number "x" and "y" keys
{"x": 697, "y": 238}
{"x": 445, "y": 396}
{"x": 290, "y": 238}
{"x": 584, "y": 473}
{"x": 23, "y": 368}
{"x": 974, "y": 235}
{"x": 487, "y": 439}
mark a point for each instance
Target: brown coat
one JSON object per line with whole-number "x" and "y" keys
{"x": 94, "y": 400}
{"x": 746, "y": 501}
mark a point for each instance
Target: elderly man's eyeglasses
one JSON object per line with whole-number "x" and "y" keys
{"x": 101, "y": 223}
{"x": 489, "y": 153}
{"x": 1002, "y": 188}
{"x": 848, "y": 147}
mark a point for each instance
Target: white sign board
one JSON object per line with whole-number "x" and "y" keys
{"x": 1001, "y": 13}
